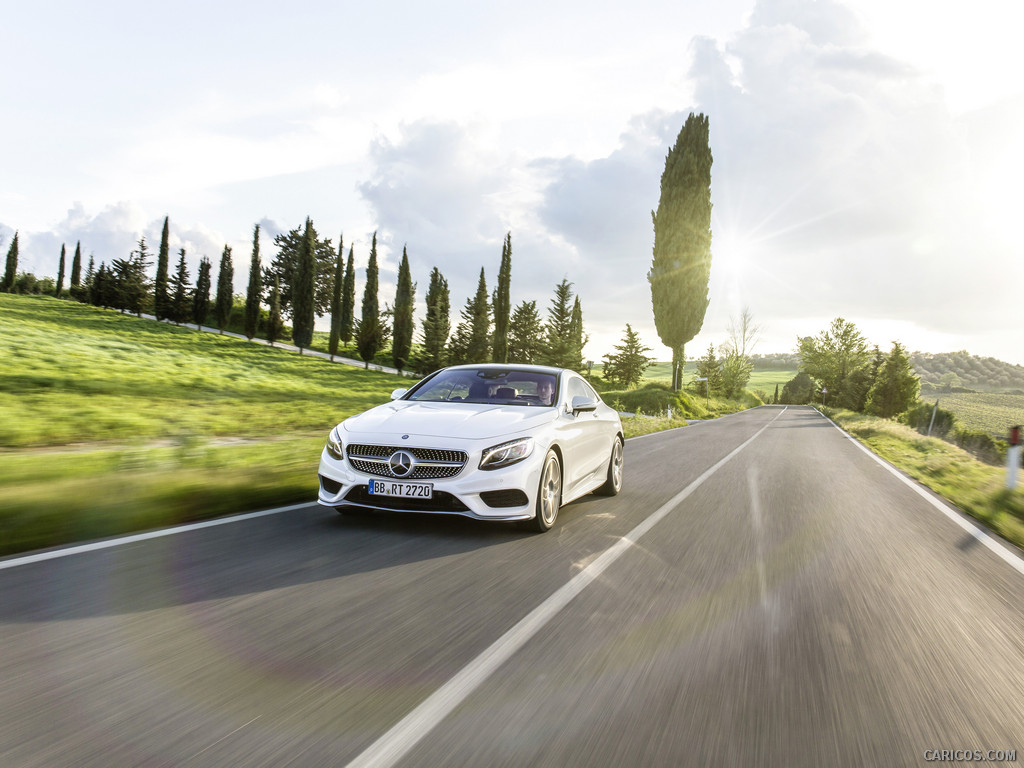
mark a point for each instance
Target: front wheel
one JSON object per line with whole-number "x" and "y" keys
{"x": 549, "y": 494}
{"x": 613, "y": 484}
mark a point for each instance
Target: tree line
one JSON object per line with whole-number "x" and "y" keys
{"x": 308, "y": 278}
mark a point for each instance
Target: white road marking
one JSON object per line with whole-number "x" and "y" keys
{"x": 404, "y": 735}
{"x": 977, "y": 532}
{"x": 106, "y": 544}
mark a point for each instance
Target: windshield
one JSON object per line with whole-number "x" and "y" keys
{"x": 501, "y": 386}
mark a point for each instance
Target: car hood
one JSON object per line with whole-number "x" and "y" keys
{"x": 470, "y": 421}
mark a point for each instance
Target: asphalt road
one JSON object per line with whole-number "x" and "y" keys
{"x": 785, "y": 601}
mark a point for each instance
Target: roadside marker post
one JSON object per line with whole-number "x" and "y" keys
{"x": 1013, "y": 457}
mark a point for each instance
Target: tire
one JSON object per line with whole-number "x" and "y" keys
{"x": 613, "y": 484}
{"x": 549, "y": 494}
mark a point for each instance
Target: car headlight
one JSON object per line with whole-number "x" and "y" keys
{"x": 334, "y": 446}
{"x": 507, "y": 453}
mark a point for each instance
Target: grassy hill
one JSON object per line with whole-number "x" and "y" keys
{"x": 110, "y": 423}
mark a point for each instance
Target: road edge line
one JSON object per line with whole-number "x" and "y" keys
{"x": 53, "y": 554}
{"x": 983, "y": 535}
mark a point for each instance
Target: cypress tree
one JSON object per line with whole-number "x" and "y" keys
{"x": 577, "y": 339}
{"x": 84, "y": 291}
{"x": 160, "y": 297}
{"x": 405, "y": 293}
{"x": 178, "y": 303}
{"x": 60, "y": 273}
{"x": 76, "y": 266}
{"x": 502, "y": 304}
{"x": 478, "y": 316}
{"x": 302, "y": 290}
{"x": 369, "y": 334}
{"x": 11, "y": 272}
{"x": 339, "y": 278}
{"x": 775, "y": 400}
{"x": 348, "y": 299}
{"x": 275, "y": 325}
{"x": 681, "y": 266}
{"x": 201, "y": 297}
{"x": 225, "y": 287}
{"x": 525, "y": 334}
{"x": 437, "y": 323}
{"x": 252, "y": 296}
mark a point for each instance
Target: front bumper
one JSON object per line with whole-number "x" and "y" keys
{"x": 504, "y": 494}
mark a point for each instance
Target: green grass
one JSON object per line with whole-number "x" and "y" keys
{"x": 71, "y": 373}
{"x": 975, "y": 487}
{"x": 110, "y": 424}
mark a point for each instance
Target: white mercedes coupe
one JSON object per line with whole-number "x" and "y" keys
{"x": 489, "y": 441}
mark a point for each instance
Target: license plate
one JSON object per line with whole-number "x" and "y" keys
{"x": 404, "y": 490}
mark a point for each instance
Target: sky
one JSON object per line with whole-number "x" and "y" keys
{"x": 867, "y": 154}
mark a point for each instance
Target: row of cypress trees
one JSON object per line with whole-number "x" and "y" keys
{"x": 308, "y": 278}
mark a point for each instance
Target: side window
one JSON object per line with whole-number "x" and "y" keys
{"x": 578, "y": 388}
{"x": 591, "y": 392}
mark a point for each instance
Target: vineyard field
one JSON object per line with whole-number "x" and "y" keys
{"x": 987, "y": 411}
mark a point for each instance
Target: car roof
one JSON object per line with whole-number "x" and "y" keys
{"x": 511, "y": 367}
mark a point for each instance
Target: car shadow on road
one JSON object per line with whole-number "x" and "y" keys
{"x": 271, "y": 553}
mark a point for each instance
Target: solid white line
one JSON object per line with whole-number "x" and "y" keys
{"x": 404, "y": 735}
{"x": 106, "y": 544}
{"x": 975, "y": 530}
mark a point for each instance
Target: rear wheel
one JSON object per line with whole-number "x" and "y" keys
{"x": 549, "y": 494}
{"x": 614, "y": 482}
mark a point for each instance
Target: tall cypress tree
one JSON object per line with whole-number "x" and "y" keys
{"x": 302, "y": 290}
{"x": 11, "y": 272}
{"x": 437, "y": 323}
{"x": 479, "y": 319}
{"x": 370, "y": 335}
{"x": 577, "y": 338}
{"x": 225, "y": 287}
{"x": 178, "y": 302}
{"x": 60, "y": 273}
{"x": 275, "y": 325}
{"x": 201, "y": 297}
{"x": 405, "y": 293}
{"x": 76, "y": 266}
{"x": 160, "y": 297}
{"x": 348, "y": 299}
{"x": 252, "y": 296}
{"x": 681, "y": 266}
{"x": 502, "y": 303}
{"x": 339, "y": 278}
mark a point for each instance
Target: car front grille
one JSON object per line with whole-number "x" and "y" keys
{"x": 431, "y": 463}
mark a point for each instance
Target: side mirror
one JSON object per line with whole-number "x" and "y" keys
{"x": 398, "y": 393}
{"x": 581, "y": 404}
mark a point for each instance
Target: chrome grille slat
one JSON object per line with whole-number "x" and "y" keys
{"x": 431, "y": 463}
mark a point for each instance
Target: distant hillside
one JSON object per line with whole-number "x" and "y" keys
{"x": 961, "y": 369}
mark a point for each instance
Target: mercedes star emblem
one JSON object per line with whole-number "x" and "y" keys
{"x": 401, "y": 463}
